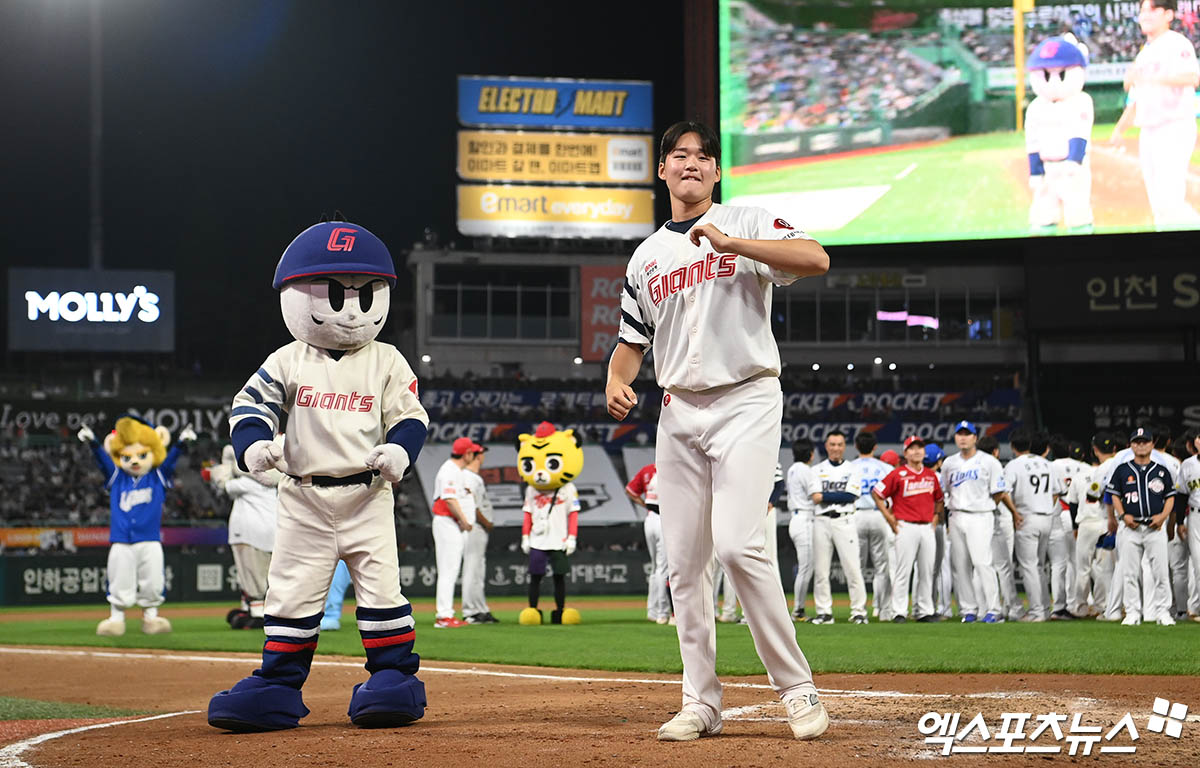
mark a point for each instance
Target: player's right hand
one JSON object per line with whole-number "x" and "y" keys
{"x": 85, "y": 434}
{"x": 525, "y": 544}
{"x": 1037, "y": 182}
{"x": 621, "y": 399}
{"x": 264, "y": 455}
{"x": 463, "y": 525}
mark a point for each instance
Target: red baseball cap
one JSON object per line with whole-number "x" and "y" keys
{"x": 911, "y": 440}
{"x": 890, "y": 457}
{"x": 464, "y": 445}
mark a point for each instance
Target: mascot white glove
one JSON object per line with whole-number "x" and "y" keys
{"x": 263, "y": 455}
{"x": 570, "y": 545}
{"x": 390, "y": 460}
{"x": 188, "y": 435}
{"x": 525, "y": 544}
{"x": 219, "y": 474}
{"x": 85, "y": 434}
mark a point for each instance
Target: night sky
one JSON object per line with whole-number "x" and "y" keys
{"x": 231, "y": 126}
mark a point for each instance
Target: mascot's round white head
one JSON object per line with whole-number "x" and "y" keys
{"x": 335, "y": 282}
{"x": 1057, "y": 67}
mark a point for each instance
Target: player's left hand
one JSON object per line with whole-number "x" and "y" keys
{"x": 188, "y": 435}
{"x": 718, "y": 239}
{"x": 570, "y": 545}
{"x": 390, "y": 460}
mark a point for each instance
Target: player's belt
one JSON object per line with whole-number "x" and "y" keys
{"x": 365, "y": 477}
{"x": 652, "y": 508}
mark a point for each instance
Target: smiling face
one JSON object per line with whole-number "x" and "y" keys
{"x": 339, "y": 312}
{"x": 1154, "y": 20}
{"x": 549, "y": 461}
{"x": 689, "y": 171}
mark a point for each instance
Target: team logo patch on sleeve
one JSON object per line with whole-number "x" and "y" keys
{"x": 781, "y": 224}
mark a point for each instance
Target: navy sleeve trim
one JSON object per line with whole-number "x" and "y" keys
{"x": 409, "y": 434}
{"x": 630, "y": 290}
{"x": 262, "y": 374}
{"x": 246, "y": 433}
{"x": 254, "y": 393}
{"x": 635, "y": 324}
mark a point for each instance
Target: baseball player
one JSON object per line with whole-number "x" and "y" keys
{"x": 1002, "y": 542}
{"x": 699, "y": 291}
{"x": 973, "y": 483}
{"x": 942, "y": 581}
{"x": 916, "y": 497}
{"x": 1188, "y": 525}
{"x": 1086, "y": 494}
{"x": 474, "y": 602}
{"x": 355, "y": 424}
{"x": 1035, "y": 487}
{"x": 1062, "y": 536}
{"x": 453, "y": 513}
{"x": 1177, "y": 546}
{"x": 1162, "y": 103}
{"x": 801, "y": 484}
{"x": 642, "y": 490}
{"x": 876, "y": 539}
{"x": 838, "y": 490}
{"x": 1143, "y": 496}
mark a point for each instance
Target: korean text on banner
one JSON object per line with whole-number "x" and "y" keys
{"x": 561, "y": 158}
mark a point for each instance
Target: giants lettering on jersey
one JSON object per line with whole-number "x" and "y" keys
{"x": 307, "y": 397}
{"x": 131, "y": 499}
{"x": 710, "y": 267}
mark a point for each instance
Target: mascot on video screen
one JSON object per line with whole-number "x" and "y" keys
{"x": 1058, "y": 127}
{"x": 548, "y": 460}
{"x": 138, "y": 469}
{"x": 354, "y": 425}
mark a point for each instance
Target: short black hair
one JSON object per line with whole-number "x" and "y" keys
{"x": 1038, "y": 442}
{"x": 710, "y": 142}
{"x": 1166, "y": 5}
{"x": 1021, "y": 439}
{"x": 802, "y": 450}
{"x": 865, "y": 442}
{"x": 1060, "y": 445}
{"x": 988, "y": 444}
{"x": 835, "y": 432}
{"x": 1105, "y": 441}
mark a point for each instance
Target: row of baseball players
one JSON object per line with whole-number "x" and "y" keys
{"x": 1056, "y": 519}
{"x": 462, "y": 520}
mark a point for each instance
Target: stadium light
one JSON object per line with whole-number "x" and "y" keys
{"x": 849, "y": 366}
{"x": 578, "y": 361}
{"x": 816, "y": 366}
{"x": 426, "y": 359}
{"x": 891, "y": 366}
{"x": 931, "y": 366}
{"x": 879, "y": 361}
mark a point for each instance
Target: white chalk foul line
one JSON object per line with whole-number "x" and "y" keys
{"x": 912, "y": 167}
{"x": 10, "y": 756}
{"x": 830, "y": 692}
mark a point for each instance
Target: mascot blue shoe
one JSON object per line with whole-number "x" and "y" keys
{"x": 255, "y": 705}
{"x": 388, "y": 699}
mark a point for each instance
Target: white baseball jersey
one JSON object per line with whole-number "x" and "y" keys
{"x": 1050, "y": 126}
{"x": 1169, "y": 54}
{"x": 252, "y": 518}
{"x": 801, "y": 486}
{"x": 549, "y": 523}
{"x": 449, "y": 483}
{"x": 1033, "y": 483}
{"x": 969, "y": 484}
{"x": 871, "y": 471}
{"x": 844, "y": 477}
{"x": 683, "y": 300}
{"x": 1087, "y": 492}
{"x": 477, "y": 489}
{"x": 1189, "y": 482}
{"x": 338, "y": 410}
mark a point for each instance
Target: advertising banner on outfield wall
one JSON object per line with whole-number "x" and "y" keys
{"x": 554, "y": 158}
{"x": 1140, "y": 293}
{"x": 41, "y": 417}
{"x": 64, "y": 310}
{"x": 599, "y": 312}
{"x": 494, "y": 210}
{"x": 516, "y": 102}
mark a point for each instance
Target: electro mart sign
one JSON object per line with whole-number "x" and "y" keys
{"x": 76, "y": 309}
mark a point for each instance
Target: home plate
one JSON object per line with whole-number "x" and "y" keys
{"x": 818, "y": 210}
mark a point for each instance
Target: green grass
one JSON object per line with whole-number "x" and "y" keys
{"x": 622, "y": 640}
{"x": 32, "y": 709}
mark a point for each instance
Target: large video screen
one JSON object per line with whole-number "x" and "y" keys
{"x": 866, "y": 123}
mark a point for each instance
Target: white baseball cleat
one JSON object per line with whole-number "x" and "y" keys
{"x": 156, "y": 626}
{"x": 110, "y": 628}
{"x": 1166, "y": 621}
{"x": 1132, "y": 620}
{"x": 806, "y": 716}
{"x": 687, "y": 726}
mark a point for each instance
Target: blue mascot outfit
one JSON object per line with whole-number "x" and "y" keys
{"x": 355, "y": 425}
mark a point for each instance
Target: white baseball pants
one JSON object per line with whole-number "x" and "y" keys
{"x": 1003, "y": 536}
{"x": 658, "y": 604}
{"x": 253, "y": 565}
{"x": 971, "y": 555}
{"x": 135, "y": 574}
{"x": 800, "y": 531}
{"x": 941, "y": 570}
{"x": 1062, "y": 555}
{"x": 716, "y": 453}
{"x": 1153, "y": 545}
{"x": 877, "y": 542}
{"x": 1032, "y": 547}
{"x": 916, "y": 545}
{"x": 1193, "y": 543}
{"x": 842, "y": 534}
{"x": 449, "y": 542}
{"x": 1165, "y": 152}
{"x": 1089, "y": 532}
{"x": 474, "y": 571}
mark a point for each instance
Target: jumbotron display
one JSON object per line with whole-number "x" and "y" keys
{"x": 866, "y": 124}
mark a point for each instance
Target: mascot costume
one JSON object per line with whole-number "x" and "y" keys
{"x": 251, "y": 532}
{"x": 548, "y": 460}
{"x": 138, "y": 470}
{"x": 355, "y": 424}
{"x": 1058, "y": 126}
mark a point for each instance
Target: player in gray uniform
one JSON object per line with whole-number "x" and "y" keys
{"x": 1003, "y": 536}
{"x": 876, "y": 540}
{"x": 699, "y": 291}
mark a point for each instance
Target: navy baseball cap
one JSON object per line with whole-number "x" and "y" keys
{"x": 933, "y": 455}
{"x": 966, "y": 426}
{"x": 334, "y": 248}
{"x": 1141, "y": 433}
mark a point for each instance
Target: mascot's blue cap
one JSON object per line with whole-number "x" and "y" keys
{"x": 334, "y": 248}
{"x": 1056, "y": 53}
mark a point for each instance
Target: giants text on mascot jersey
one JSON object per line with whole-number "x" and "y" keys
{"x": 354, "y": 426}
